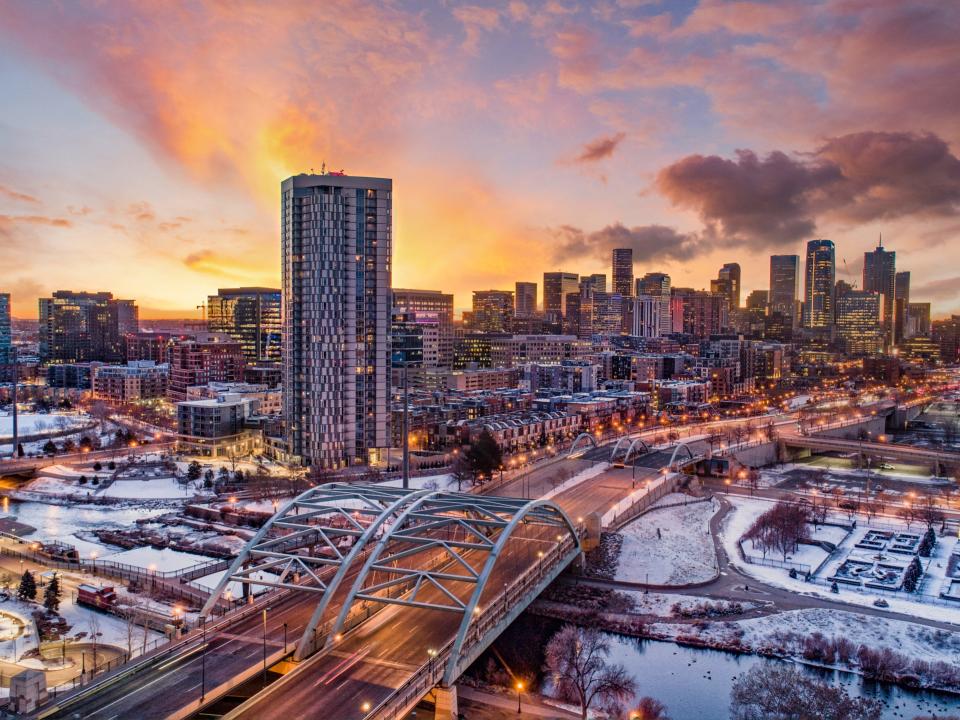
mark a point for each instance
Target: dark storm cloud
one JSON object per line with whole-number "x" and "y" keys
{"x": 648, "y": 242}
{"x": 778, "y": 199}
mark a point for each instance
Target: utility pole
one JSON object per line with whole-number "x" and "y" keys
{"x": 16, "y": 380}
{"x": 406, "y": 430}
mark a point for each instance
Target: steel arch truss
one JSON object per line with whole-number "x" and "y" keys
{"x": 309, "y": 544}
{"x": 576, "y": 442}
{"x": 442, "y": 550}
{"x": 630, "y": 447}
{"x": 682, "y": 446}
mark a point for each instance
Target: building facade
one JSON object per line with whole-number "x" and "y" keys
{"x": 492, "y": 310}
{"x": 879, "y": 276}
{"x": 210, "y": 357}
{"x": 820, "y": 278}
{"x": 336, "y": 238}
{"x": 137, "y": 380}
{"x": 426, "y": 307}
{"x": 657, "y": 284}
{"x": 858, "y": 322}
{"x": 623, "y": 271}
{"x": 556, "y": 287}
{"x": 6, "y": 334}
{"x": 785, "y": 286}
{"x": 526, "y": 299}
{"x": 251, "y": 316}
{"x": 83, "y": 327}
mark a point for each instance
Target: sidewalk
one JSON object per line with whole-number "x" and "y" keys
{"x": 502, "y": 706}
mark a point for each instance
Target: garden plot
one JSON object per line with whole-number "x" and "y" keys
{"x": 683, "y": 553}
{"x": 746, "y": 510}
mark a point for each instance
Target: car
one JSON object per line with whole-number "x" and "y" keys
{"x": 881, "y": 603}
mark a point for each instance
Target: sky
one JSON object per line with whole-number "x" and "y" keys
{"x": 142, "y": 144}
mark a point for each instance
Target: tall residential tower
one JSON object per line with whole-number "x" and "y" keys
{"x": 818, "y": 292}
{"x": 336, "y": 247}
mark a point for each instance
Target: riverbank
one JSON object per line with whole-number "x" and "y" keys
{"x": 890, "y": 651}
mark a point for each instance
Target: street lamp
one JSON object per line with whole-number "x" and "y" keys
{"x": 519, "y": 690}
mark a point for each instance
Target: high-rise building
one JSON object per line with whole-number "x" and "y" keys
{"x": 336, "y": 237}
{"x": 901, "y": 304}
{"x": 657, "y": 284}
{"x": 623, "y": 271}
{"x": 728, "y": 285}
{"x": 946, "y": 334}
{"x": 879, "y": 276}
{"x": 597, "y": 282}
{"x": 858, "y": 322}
{"x": 758, "y": 300}
{"x": 785, "y": 285}
{"x": 526, "y": 299}
{"x": 818, "y": 289}
{"x": 647, "y": 316}
{"x": 556, "y": 287}
{"x": 430, "y": 306}
{"x": 84, "y": 326}
{"x": 492, "y": 310}
{"x": 699, "y": 313}
{"x": 251, "y": 316}
{"x": 6, "y": 333}
{"x": 916, "y": 321}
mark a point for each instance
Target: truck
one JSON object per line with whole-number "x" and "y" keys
{"x": 103, "y": 598}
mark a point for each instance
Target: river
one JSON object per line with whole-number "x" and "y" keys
{"x": 695, "y": 684}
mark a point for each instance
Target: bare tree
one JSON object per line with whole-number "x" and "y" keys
{"x": 461, "y": 470}
{"x": 576, "y": 659}
{"x": 780, "y": 528}
{"x": 777, "y": 692}
{"x": 650, "y": 709}
{"x": 94, "y": 624}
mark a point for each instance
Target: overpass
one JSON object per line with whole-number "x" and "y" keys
{"x": 937, "y": 459}
{"x": 27, "y": 466}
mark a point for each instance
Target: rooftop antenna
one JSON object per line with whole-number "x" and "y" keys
{"x": 881, "y": 238}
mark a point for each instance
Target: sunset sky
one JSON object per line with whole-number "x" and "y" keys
{"x": 142, "y": 144}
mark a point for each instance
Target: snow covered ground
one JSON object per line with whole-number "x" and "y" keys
{"x": 148, "y": 558}
{"x": 661, "y": 604}
{"x": 916, "y": 641}
{"x": 37, "y": 423}
{"x": 746, "y": 510}
{"x": 682, "y": 554}
{"x": 163, "y": 488}
{"x": 582, "y": 476}
{"x": 209, "y": 582}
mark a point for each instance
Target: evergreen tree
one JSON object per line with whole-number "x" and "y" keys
{"x": 28, "y": 587}
{"x": 485, "y": 455}
{"x": 49, "y": 448}
{"x": 194, "y": 471}
{"x": 20, "y": 452}
{"x": 928, "y": 542}
{"x": 51, "y": 596}
{"x": 912, "y": 575}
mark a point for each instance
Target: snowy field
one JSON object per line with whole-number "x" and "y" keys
{"x": 163, "y": 488}
{"x": 683, "y": 553}
{"x": 148, "y": 558}
{"x": 661, "y": 604}
{"x": 209, "y": 582}
{"x": 746, "y": 510}
{"x": 37, "y": 423}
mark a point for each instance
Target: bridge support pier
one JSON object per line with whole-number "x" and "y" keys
{"x": 446, "y": 703}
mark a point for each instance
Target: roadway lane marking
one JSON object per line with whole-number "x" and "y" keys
{"x": 342, "y": 667}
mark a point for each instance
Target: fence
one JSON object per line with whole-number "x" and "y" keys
{"x": 770, "y": 562}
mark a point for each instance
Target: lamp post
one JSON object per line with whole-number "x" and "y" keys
{"x": 265, "y": 647}
{"x": 203, "y": 660}
{"x": 519, "y": 690}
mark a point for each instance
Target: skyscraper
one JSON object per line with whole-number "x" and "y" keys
{"x": 251, "y": 316}
{"x": 526, "y": 299}
{"x": 492, "y": 310}
{"x": 901, "y": 304}
{"x": 858, "y": 322}
{"x": 818, "y": 290}
{"x": 556, "y": 287}
{"x": 6, "y": 333}
{"x": 879, "y": 276}
{"x": 85, "y": 326}
{"x": 657, "y": 284}
{"x": 336, "y": 237}
{"x": 623, "y": 271}
{"x": 597, "y": 282}
{"x": 784, "y": 285}
{"x": 728, "y": 285}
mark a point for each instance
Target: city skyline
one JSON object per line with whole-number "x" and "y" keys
{"x": 575, "y": 148}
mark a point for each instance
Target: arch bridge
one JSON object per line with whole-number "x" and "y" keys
{"x": 630, "y": 448}
{"x": 577, "y": 444}
{"x": 361, "y": 548}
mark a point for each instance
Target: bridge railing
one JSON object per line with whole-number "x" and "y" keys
{"x": 431, "y": 673}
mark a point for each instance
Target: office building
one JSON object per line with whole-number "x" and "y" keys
{"x": 426, "y": 307}
{"x": 6, "y": 333}
{"x": 336, "y": 236}
{"x": 83, "y": 327}
{"x": 151, "y": 346}
{"x": 623, "y": 271}
{"x": 901, "y": 303}
{"x": 820, "y": 278}
{"x": 514, "y": 350}
{"x": 526, "y": 300}
{"x": 699, "y": 313}
{"x": 785, "y": 286}
{"x": 946, "y": 334}
{"x": 879, "y": 276}
{"x": 728, "y": 285}
{"x": 916, "y": 321}
{"x": 858, "y": 322}
{"x": 209, "y": 357}
{"x": 596, "y": 282}
{"x": 251, "y": 316}
{"x": 657, "y": 284}
{"x": 218, "y": 427}
{"x": 647, "y": 316}
{"x": 556, "y": 287}
{"x": 492, "y": 310}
